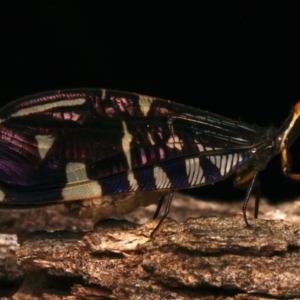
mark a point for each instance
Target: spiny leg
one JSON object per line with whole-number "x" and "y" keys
{"x": 169, "y": 201}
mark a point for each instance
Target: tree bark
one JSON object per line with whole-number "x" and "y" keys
{"x": 201, "y": 258}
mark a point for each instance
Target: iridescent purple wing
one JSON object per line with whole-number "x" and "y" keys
{"x": 82, "y": 144}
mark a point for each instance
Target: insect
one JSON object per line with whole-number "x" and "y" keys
{"x": 112, "y": 151}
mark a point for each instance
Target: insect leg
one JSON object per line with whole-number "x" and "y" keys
{"x": 257, "y": 198}
{"x": 170, "y": 197}
{"x": 249, "y": 180}
{"x": 159, "y": 205}
{"x": 248, "y": 194}
{"x": 286, "y": 165}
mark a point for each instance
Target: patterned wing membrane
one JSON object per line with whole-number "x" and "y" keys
{"x": 81, "y": 144}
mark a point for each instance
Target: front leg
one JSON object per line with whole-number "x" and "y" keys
{"x": 286, "y": 165}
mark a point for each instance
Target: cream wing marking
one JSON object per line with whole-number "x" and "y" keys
{"x": 161, "y": 178}
{"x": 200, "y": 147}
{"x": 228, "y": 163}
{"x": 43, "y": 107}
{"x": 2, "y": 195}
{"x": 240, "y": 157}
{"x": 235, "y": 159}
{"x": 193, "y": 170}
{"x": 150, "y": 138}
{"x": 44, "y": 143}
{"x": 79, "y": 186}
{"x": 145, "y": 104}
{"x": 103, "y": 94}
{"x": 126, "y": 140}
{"x": 223, "y": 165}
{"x": 218, "y": 161}
{"x": 174, "y": 141}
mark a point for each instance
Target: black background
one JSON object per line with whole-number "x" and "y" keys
{"x": 239, "y": 59}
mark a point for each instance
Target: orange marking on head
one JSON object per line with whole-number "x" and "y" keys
{"x": 297, "y": 109}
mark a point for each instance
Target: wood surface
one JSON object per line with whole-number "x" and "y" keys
{"x": 191, "y": 258}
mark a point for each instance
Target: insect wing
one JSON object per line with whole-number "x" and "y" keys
{"x": 81, "y": 144}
